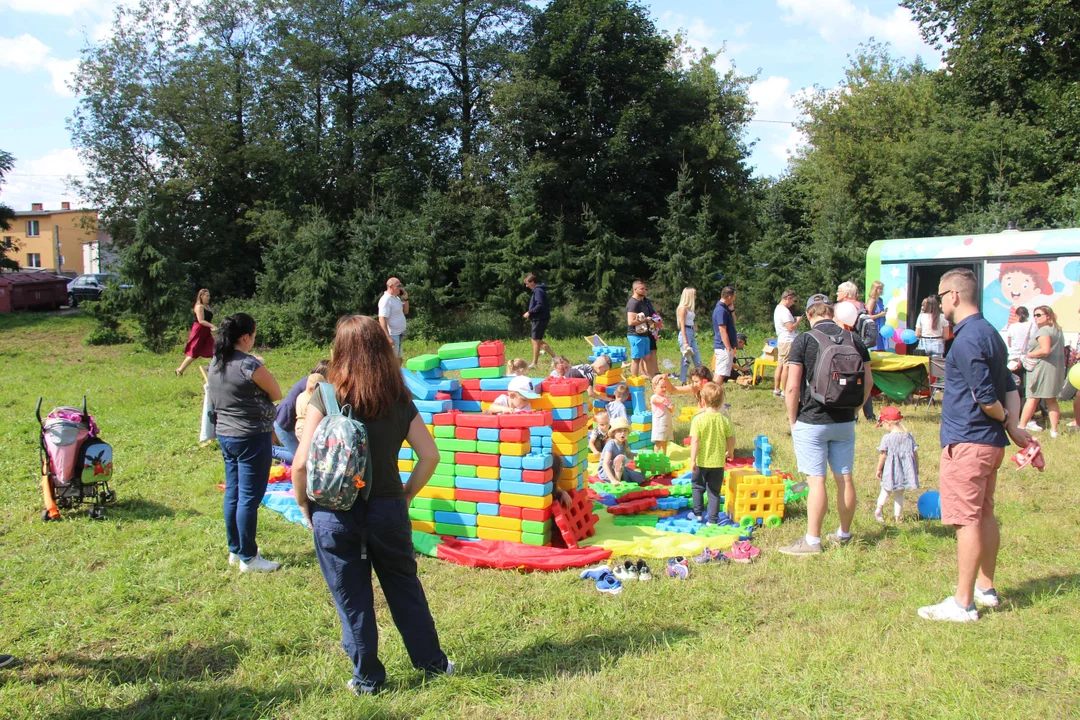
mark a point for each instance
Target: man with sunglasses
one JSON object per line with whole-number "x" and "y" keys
{"x": 978, "y": 416}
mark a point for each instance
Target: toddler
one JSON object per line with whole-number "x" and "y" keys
{"x": 560, "y": 365}
{"x": 898, "y": 465}
{"x": 661, "y": 414}
{"x": 712, "y": 445}
{"x": 615, "y": 408}
{"x": 516, "y": 398}
{"x": 304, "y": 398}
{"x": 517, "y": 367}
{"x": 599, "y": 436}
{"x": 617, "y": 454}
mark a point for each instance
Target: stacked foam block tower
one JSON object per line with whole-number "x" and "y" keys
{"x": 615, "y": 352}
{"x": 495, "y": 479}
{"x": 751, "y": 494}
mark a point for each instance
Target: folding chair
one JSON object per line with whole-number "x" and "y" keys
{"x": 936, "y": 378}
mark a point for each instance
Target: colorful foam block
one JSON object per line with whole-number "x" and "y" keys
{"x": 514, "y": 448}
{"x": 468, "y": 483}
{"x": 488, "y": 448}
{"x": 510, "y": 474}
{"x": 451, "y": 351}
{"x": 488, "y": 434}
{"x": 423, "y": 526}
{"x": 502, "y": 523}
{"x": 464, "y": 506}
{"x": 432, "y": 504}
{"x": 538, "y": 540}
{"x": 438, "y": 493}
{"x": 477, "y": 496}
{"x": 525, "y": 501}
{"x": 500, "y": 384}
{"x": 445, "y": 481}
{"x": 536, "y": 461}
{"x": 521, "y": 420}
{"x": 465, "y": 363}
{"x": 454, "y": 445}
{"x": 492, "y": 361}
{"x": 487, "y": 472}
{"x": 456, "y": 530}
{"x": 536, "y": 528}
{"x": 433, "y": 406}
{"x": 463, "y": 470}
{"x": 462, "y": 433}
{"x": 490, "y": 347}
{"x": 510, "y": 461}
{"x": 480, "y": 372}
{"x": 454, "y": 518}
{"x": 507, "y": 487}
{"x": 422, "y": 362}
{"x": 478, "y": 421}
{"x": 421, "y": 514}
{"x": 487, "y": 508}
{"x": 537, "y": 476}
{"x": 486, "y": 533}
{"x": 447, "y": 431}
{"x": 468, "y": 406}
{"x": 518, "y": 435}
{"x": 474, "y": 458}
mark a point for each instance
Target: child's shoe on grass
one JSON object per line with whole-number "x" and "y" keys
{"x": 677, "y": 567}
{"x": 626, "y": 571}
{"x": 643, "y": 571}
{"x": 608, "y": 583}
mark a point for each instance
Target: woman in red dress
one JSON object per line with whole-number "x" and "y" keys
{"x": 200, "y": 343}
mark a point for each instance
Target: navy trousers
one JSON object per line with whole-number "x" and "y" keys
{"x": 340, "y": 538}
{"x": 247, "y": 470}
{"x": 705, "y": 483}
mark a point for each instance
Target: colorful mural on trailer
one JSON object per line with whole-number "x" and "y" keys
{"x": 1019, "y": 269}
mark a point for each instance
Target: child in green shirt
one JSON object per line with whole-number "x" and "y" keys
{"x": 712, "y": 444}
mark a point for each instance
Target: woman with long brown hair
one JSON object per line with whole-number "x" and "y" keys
{"x": 1045, "y": 365}
{"x": 375, "y": 533}
{"x": 200, "y": 342}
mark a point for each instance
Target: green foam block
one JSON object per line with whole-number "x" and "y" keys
{"x": 446, "y": 469}
{"x": 455, "y": 445}
{"x": 530, "y": 538}
{"x": 433, "y": 504}
{"x": 481, "y": 373}
{"x": 453, "y": 351}
{"x": 422, "y": 362}
{"x": 488, "y": 447}
{"x": 536, "y": 528}
{"x": 456, "y": 530}
{"x": 445, "y": 431}
{"x": 445, "y": 481}
{"x": 468, "y": 471}
{"x": 419, "y": 514}
{"x": 465, "y": 507}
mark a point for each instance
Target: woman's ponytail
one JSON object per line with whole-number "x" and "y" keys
{"x": 229, "y": 333}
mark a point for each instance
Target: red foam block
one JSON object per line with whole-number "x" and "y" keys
{"x": 535, "y": 515}
{"x": 518, "y": 420}
{"x": 442, "y": 396}
{"x": 574, "y": 523}
{"x": 477, "y": 496}
{"x": 478, "y": 420}
{"x": 514, "y": 435}
{"x": 564, "y": 386}
{"x": 491, "y": 347}
{"x": 570, "y": 425}
{"x": 633, "y": 507}
{"x": 646, "y": 493}
{"x": 473, "y": 395}
{"x": 492, "y": 361}
{"x": 470, "y": 384}
{"x": 465, "y": 433}
{"x": 510, "y": 511}
{"x": 490, "y": 395}
{"x": 537, "y": 476}
{"x": 468, "y": 458}
{"x": 446, "y": 418}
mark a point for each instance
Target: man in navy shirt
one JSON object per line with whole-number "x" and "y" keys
{"x": 724, "y": 336}
{"x": 539, "y": 313}
{"x": 979, "y": 413}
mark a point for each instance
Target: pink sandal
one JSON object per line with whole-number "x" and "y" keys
{"x": 742, "y": 552}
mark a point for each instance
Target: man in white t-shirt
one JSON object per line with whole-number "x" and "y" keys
{"x": 393, "y": 305}
{"x": 786, "y": 326}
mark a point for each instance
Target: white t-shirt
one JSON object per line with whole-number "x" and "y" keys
{"x": 390, "y": 307}
{"x": 925, "y": 324}
{"x": 780, "y": 316}
{"x": 1017, "y": 336}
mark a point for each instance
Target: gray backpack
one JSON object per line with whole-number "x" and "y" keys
{"x": 838, "y": 378}
{"x": 339, "y": 461}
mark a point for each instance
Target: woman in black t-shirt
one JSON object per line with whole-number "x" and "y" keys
{"x": 375, "y": 533}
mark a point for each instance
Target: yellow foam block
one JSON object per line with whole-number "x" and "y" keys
{"x": 551, "y": 402}
{"x": 566, "y": 484}
{"x": 423, "y": 526}
{"x": 565, "y": 448}
{"x": 405, "y": 465}
{"x": 568, "y": 437}
{"x": 431, "y": 430}
{"x": 438, "y": 493}
{"x": 487, "y": 473}
{"x": 499, "y": 522}
{"x": 641, "y": 427}
{"x": 635, "y": 381}
{"x": 611, "y": 377}
{"x": 594, "y": 457}
{"x": 486, "y": 533}
{"x": 486, "y": 406}
{"x": 526, "y": 501}
{"x": 568, "y": 473}
{"x": 514, "y": 448}
{"x": 405, "y": 443}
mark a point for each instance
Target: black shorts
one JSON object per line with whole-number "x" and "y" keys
{"x": 539, "y": 327}
{"x": 652, "y": 343}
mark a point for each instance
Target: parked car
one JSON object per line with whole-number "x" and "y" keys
{"x": 89, "y": 287}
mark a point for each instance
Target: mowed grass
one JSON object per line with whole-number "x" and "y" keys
{"x": 140, "y": 616}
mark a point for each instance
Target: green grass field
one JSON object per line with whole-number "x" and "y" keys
{"x": 140, "y": 616}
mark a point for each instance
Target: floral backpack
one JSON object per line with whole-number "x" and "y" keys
{"x": 339, "y": 461}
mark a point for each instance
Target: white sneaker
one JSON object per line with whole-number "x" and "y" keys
{"x": 1033, "y": 427}
{"x": 1053, "y": 433}
{"x": 986, "y": 598}
{"x": 532, "y": 366}
{"x": 778, "y": 393}
{"x": 948, "y": 610}
{"x": 233, "y": 558}
{"x": 259, "y": 564}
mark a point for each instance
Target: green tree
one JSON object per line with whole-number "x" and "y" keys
{"x": 7, "y": 162}
{"x": 149, "y": 266}
{"x": 604, "y": 260}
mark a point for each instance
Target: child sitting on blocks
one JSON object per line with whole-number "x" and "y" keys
{"x": 599, "y": 436}
{"x": 712, "y": 445}
{"x": 616, "y": 455}
{"x": 615, "y": 408}
{"x": 516, "y": 398}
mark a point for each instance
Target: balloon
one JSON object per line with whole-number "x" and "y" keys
{"x": 930, "y": 505}
{"x": 1074, "y": 376}
{"x": 887, "y": 331}
{"x": 846, "y": 313}
{"x": 900, "y": 348}
{"x": 909, "y": 337}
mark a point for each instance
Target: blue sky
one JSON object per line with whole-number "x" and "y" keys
{"x": 789, "y": 44}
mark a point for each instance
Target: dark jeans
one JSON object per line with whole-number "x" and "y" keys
{"x": 286, "y": 451}
{"x": 339, "y": 539}
{"x": 247, "y": 470}
{"x": 707, "y": 481}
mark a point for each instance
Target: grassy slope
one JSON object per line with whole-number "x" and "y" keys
{"x": 139, "y": 616}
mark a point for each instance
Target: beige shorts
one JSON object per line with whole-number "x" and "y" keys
{"x": 967, "y": 481}
{"x": 722, "y": 364}
{"x": 783, "y": 351}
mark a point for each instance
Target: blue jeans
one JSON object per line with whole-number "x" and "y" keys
{"x": 286, "y": 451}
{"x": 247, "y": 470}
{"x": 397, "y": 344}
{"x": 691, "y": 342}
{"x": 340, "y": 538}
{"x": 818, "y": 447}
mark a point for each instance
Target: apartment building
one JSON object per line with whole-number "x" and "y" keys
{"x": 66, "y": 241}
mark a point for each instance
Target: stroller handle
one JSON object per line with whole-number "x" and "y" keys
{"x": 84, "y": 406}
{"x": 37, "y": 410}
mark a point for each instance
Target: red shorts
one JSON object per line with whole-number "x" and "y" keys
{"x": 968, "y": 479}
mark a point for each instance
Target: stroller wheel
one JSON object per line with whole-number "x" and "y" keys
{"x": 110, "y": 496}
{"x": 96, "y": 513}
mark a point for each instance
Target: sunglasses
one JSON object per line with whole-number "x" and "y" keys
{"x": 1040, "y": 314}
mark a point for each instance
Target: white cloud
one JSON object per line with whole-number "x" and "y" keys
{"x": 43, "y": 179}
{"x": 837, "y": 20}
{"x": 785, "y": 148}
{"x": 773, "y": 99}
{"x": 700, "y": 36}
{"x": 27, "y": 54}
{"x": 59, "y": 7}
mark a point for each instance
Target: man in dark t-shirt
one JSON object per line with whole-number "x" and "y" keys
{"x": 823, "y": 436}
{"x": 640, "y": 335}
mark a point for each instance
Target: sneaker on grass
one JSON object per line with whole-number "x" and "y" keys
{"x": 594, "y": 573}
{"x": 6, "y": 660}
{"x": 835, "y": 539}
{"x": 986, "y": 598}
{"x": 950, "y": 611}
{"x": 258, "y": 564}
{"x": 627, "y": 571}
{"x": 608, "y": 583}
{"x": 643, "y": 571}
{"x": 361, "y": 688}
{"x": 801, "y": 547}
{"x": 233, "y": 558}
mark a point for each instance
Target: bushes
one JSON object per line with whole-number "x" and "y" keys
{"x": 106, "y": 314}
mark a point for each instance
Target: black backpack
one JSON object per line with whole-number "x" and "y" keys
{"x": 840, "y": 372}
{"x": 867, "y": 329}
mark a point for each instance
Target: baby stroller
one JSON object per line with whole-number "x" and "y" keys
{"x": 76, "y": 464}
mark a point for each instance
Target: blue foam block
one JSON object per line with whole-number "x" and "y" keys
{"x": 540, "y": 431}
{"x": 545, "y": 442}
{"x": 510, "y": 461}
{"x": 524, "y": 488}
{"x": 432, "y": 374}
{"x": 467, "y": 405}
{"x": 644, "y": 418}
{"x": 420, "y": 388}
{"x": 449, "y": 385}
{"x": 510, "y": 474}
{"x": 565, "y": 413}
{"x": 499, "y": 383}
{"x": 456, "y": 518}
{"x": 535, "y": 461}
{"x": 404, "y": 454}
{"x": 455, "y": 394}
{"x": 433, "y": 406}
{"x": 460, "y": 363}
{"x": 427, "y": 417}
{"x": 488, "y": 434}
{"x": 404, "y": 476}
{"x": 487, "y": 508}
{"x": 467, "y": 483}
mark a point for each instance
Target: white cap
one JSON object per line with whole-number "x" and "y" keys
{"x": 522, "y": 386}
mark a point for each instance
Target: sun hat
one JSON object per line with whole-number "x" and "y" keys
{"x": 619, "y": 423}
{"x": 889, "y": 414}
{"x": 523, "y": 387}
{"x": 817, "y": 298}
